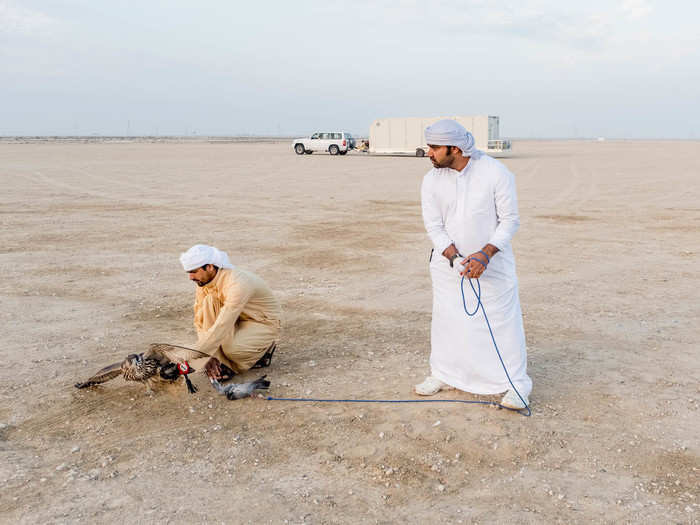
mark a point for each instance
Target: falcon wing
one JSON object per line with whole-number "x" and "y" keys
{"x": 104, "y": 375}
{"x": 173, "y": 353}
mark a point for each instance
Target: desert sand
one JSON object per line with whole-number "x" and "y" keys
{"x": 608, "y": 261}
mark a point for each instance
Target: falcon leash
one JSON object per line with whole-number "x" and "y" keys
{"x": 479, "y": 306}
{"x": 184, "y": 369}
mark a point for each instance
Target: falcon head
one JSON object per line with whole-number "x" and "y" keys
{"x": 134, "y": 359}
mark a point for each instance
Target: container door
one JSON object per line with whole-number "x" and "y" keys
{"x": 493, "y": 128}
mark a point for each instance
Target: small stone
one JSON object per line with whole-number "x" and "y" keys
{"x": 75, "y": 449}
{"x": 61, "y": 467}
{"x": 381, "y": 435}
{"x": 437, "y": 423}
{"x": 441, "y": 488}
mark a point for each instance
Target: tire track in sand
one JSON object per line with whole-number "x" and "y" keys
{"x": 52, "y": 181}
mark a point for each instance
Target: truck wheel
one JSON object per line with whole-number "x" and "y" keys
{"x": 420, "y": 152}
{"x": 299, "y": 149}
{"x": 333, "y": 150}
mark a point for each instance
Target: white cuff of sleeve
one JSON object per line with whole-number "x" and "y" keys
{"x": 498, "y": 242}
{"x": 444, "y": 244}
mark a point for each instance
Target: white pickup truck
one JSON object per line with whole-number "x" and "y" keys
{"x": 335, "y": 143}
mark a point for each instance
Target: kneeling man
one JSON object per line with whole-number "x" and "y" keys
{"x": 235, "y": 313}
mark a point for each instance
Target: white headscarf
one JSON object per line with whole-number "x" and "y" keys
{"x": 449, "y": 132}
{"x": 201, "y": 254}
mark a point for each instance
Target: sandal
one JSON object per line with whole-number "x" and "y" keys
{"x": 266, "y": 359}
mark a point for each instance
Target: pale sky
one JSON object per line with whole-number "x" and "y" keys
{"x": 613, "y": 68}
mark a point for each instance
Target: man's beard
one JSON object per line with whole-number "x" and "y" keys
{"x": 444, "y": 164}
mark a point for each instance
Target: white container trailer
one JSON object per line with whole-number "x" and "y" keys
{"x": 407, "y": 135}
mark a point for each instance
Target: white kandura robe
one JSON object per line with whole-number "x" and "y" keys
{"x": 472, "y": 208}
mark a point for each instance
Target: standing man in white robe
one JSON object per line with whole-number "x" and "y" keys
{"x": 470, "y": 211}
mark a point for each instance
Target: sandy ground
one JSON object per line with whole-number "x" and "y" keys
{"x": 608, "y": 262}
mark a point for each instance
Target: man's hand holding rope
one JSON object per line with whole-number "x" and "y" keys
{"x": 476, "y": 263}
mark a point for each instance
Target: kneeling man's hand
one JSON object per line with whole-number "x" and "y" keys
{"x": 213, "y": 368}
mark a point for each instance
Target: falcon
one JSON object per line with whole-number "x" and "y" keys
{"x": 160, "y": 363}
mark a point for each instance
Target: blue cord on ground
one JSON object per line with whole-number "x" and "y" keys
{"x": 479, "y": 304}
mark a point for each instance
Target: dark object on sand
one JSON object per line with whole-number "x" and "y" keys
{"x": 240, "y": 390}
{"x": 266, "y": 359}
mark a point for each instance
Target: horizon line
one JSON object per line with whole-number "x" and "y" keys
{"x": 289, "y": 137}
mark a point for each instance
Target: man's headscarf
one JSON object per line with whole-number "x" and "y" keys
{"x": 449, "y": 132}
{"x": 201, "y": 254}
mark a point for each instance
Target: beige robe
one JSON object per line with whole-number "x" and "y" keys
{"x": 237, "y": 318}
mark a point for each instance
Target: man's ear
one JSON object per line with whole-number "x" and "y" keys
{"x": 455, "y": 148}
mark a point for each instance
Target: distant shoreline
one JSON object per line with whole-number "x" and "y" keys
{"x": 174, "y": 139}
{"x": 27, "y": 139}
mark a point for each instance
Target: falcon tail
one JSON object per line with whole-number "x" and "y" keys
{"x": 106, "y": 374}
{"x": 85, "y": 384}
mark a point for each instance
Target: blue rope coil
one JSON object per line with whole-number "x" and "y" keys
{"x": 479, "y": 304}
